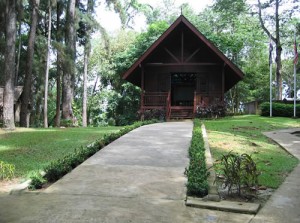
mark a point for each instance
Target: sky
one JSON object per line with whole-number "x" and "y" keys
{"x": 111, "y": 22}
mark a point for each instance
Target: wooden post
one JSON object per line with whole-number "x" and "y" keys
{"x": 195, "y": 103}
{"x": 223, "y": 81}
{"x": 143, "y": 89}
{"x": 168, "y": 106}
{"x": 182, "y": 46}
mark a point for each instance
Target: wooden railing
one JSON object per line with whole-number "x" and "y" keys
{"x": 155, "y": 99}
{"x": 197, "y": 100}
{"x": 204, "y": 100}
{"x": 162, "y": 100}
{"x": 168, "y": 108}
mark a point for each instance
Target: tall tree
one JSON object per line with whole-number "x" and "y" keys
{"x": 69, "y": 62}
{"x": 19, "y": 18}
{"x": 59, "y": 37}
{"x": 2, "y": 40}
{"x": 275, "y": 32}
{"x": 47, "y": 66}
{"x": 9, "y": 66}
{"x": 86, "y": 26}
{"x": 26, "y": 95}
{"x": 84, "y": 98}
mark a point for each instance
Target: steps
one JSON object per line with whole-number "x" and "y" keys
{"x": 180, "y": 112}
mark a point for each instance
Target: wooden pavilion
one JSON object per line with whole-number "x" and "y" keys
{"x": 181, "y": 70}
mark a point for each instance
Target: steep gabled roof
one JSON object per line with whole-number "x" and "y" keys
{"x": 18, "y": 92}
{"x": 232, "y": 73}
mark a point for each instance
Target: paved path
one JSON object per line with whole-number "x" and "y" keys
{"x": 138, "y": 178}
{"x": 284, "y": 204}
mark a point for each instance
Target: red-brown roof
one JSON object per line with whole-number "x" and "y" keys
{"x": 232, "y": 73}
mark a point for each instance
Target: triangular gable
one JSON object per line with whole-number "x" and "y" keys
{"x": 17, "y": 94}
{"x": 233, "y": 69}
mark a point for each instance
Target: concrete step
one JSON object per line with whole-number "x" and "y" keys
{"x": 230, "y": 206}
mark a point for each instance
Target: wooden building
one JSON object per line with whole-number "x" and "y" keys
{"x": 17, "y": 102}
{"x": 181, "y": 70}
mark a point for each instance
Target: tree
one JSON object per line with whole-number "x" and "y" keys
{"x": 69, "y": 62}
{"x": 9, "y": 65}
{"x": 47, "y": 67}
{"x": 2, "y": 39}
{"x": 119, "y": 101}
{"x": 278, "y": 21}
{"x": 59, "y": 60}
{"x": 86, "y": 26}
{"x": 26, "y": 95}
{"x": 231, "y": 27}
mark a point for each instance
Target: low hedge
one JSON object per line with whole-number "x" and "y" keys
{"x": 58, "y": 168}
{"x": 279, "y": 109}
{"x": 197, "y": 173}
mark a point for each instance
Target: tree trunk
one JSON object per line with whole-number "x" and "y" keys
{"x": 69, "y": 71}
{"x": 58, "y": 64}
{"x": 275, "y": 39}
{"x": 29, "y": 63}
{"x": 19, "y": 52}
{"x": 84, "y": 98}
{"x": 9, "y": 67}
{"x": 87, "y": 50}
{"x": 47, "y": 69}
{"x": 278, "y": 54}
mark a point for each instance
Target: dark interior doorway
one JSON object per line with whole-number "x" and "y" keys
{"x": 183, "y": 86}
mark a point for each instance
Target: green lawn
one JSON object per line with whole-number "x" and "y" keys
{"x": 31, "y": 149}
{"x": 243, "y": 134}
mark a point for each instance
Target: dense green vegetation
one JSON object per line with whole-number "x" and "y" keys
{"x": 243, "y": 134}
{"x": 279, "y": 109}
{"x": 197, "y": 184}
{"x": 33, "y": 149}
{"x": 235, "y": 27}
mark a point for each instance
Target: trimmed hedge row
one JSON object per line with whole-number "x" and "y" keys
{"x": 58, "y": 168}
{"x": 197, "y": 173}
{"x": 279, "y": 109}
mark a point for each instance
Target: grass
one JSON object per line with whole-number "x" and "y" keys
{"x": 243, "y": 134}
{"x": 32, "y": 149}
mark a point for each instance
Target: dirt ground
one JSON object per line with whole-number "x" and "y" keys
{"x": 7, "y": 185}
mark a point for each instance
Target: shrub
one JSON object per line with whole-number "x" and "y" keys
{"x": 58, "y": 168}
{"x": 66, "y": 123}
{"x": 37, "y": 181}
{"x": 197, "y": 174}
{"x": 151, "y": 114}
{"x": 111, "y": 122}
{"x": 7, "y": 171}
{"x": 214, "y": 110}
{"x": 237, "y": 171}
{"x": 279, "y": 109}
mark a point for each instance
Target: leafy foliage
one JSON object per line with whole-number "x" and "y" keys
{"x": 121, "y": 99}
{"x": 149, "y": 114}
{"x": 238, "y": 171}
{"x": 197, "y": 184}
{"x": 214, "y": 110}
{"x": 6, "y": 171}
{"x": 37, "y": 181}
{"x": 279, "y": 109}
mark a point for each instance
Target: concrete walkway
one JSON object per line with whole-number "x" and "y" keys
{"x": 284, "y": 204}
{"x": 138, "y": 178}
